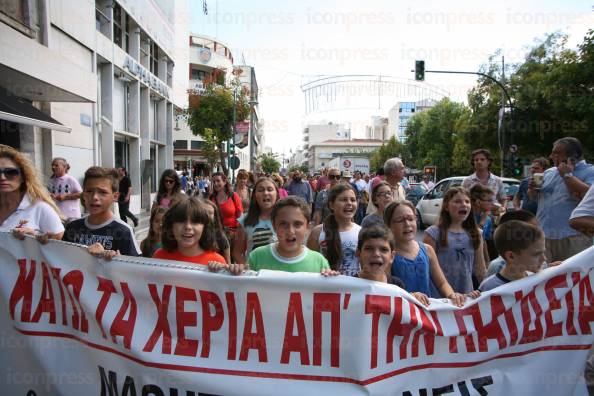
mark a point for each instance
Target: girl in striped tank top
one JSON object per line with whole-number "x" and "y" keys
{"x": 337, "y": 237}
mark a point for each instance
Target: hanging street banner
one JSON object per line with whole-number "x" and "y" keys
{"x": 72, "y": 324}
{"x": 242, "y": 134}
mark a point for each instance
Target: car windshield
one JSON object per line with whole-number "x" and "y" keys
{"x": 511, "y": 188}
{"x": 417, "y": 189}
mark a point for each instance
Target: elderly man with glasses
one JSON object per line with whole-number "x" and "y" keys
{"x": 321, "y": 209}
{"x": 394, "y": 173}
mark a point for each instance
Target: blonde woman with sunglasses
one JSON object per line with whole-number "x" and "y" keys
{"x": 26, "y": 206}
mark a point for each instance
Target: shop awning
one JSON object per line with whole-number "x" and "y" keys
{"x": 19, "y": 111}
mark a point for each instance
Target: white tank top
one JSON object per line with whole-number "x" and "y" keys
{"x": 348, "y": 239}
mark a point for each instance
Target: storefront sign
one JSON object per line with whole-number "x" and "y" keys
{"x": 145, "y": 76}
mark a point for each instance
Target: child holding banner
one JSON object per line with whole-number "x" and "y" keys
{"x": 290, "y": 219}
{"x": 104, "y": 234}
{"x": 375, "y": 251}
{"x": 336, "y": 238}
{"x": 457, "y": 241}
{"x": 522, "y": 246}
{"x": 416, "y": 263}
{"x": 188, "y": 234}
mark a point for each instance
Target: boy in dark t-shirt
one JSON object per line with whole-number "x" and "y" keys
{"x": 103, "y": 233}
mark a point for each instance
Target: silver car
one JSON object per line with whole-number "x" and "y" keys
{"x": 429, "y": 205}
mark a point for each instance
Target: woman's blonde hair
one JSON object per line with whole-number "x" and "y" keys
{"x": 30, "y": 179}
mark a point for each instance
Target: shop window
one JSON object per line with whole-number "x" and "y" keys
{"x": 180, "y": 144}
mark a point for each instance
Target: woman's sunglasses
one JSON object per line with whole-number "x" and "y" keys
{"x": 10, "y": 173}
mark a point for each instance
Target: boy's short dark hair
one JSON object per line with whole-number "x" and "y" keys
{"x": 99, "y": 172}
{"x": 478, "y": 191}
{"x": 520, "y": 215}
{"x": 188, "y": 208}
{"x": 376, "y": 232}
{"x": 292, "y": 201}
{"x": 515, "y": 236}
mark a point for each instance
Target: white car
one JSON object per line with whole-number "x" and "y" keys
{"x": 429, "y": 205}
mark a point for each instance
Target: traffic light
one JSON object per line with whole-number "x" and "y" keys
{"x": 420, "y": 70}
{"x": 517, "y": 166}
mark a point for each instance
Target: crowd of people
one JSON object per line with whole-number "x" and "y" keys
{"x": 333, "y": 223}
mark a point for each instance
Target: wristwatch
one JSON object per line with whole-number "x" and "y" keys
{"x": 568, "y": 174}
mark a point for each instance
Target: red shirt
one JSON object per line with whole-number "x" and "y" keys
{"x": 230, "y": 210}
{"x": 201, "y": 259}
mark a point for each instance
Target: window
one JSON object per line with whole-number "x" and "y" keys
{"x": 117, "y": 25}
{"x": 127, "y": 34}
{"x": 22, "y": 15}
{"x": 154, "y": 61}
{"x": 101, "y": 22}
{"x": 196, "y": 144}
{"x": 121, "y": 151}
{"x": 180, "y": 144}
{"x": 198, "y": 75}
{"x": 439, "y": 190}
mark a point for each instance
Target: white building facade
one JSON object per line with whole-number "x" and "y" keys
{"x": 100, "y": 74}
{"x": 211, "y": 61}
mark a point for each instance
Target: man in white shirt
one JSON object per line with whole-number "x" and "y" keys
{"x": 582, "y": 217}
{"x": 428, "y": 184}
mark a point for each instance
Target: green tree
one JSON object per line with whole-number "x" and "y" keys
{"x": 213, "y": 111}
{"x": 551, "y": 91}
{"x": 269, "y": 162}
{"x": 210, "y": 149}
{"x": 431, "y": 136}
{"x": 392, "y": 148}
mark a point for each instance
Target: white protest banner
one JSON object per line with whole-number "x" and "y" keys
{"x": 72, "y": 324}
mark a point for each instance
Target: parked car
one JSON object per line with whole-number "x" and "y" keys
{"x": 417, "y": 190}
{"x": 429, "y": 206}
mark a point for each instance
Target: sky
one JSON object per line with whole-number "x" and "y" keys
{"x": 290, "y": 43}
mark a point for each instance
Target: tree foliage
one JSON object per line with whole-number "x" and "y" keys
{"x": 269, "y": 162}
{"x": 210, "y": 149}
{"x": 211, "y": 114}
{"x": 303, "y": 168}
{"x": 432, "y": 136}
{"x": 392, "y": 148}
{"x": 552, "y": 93}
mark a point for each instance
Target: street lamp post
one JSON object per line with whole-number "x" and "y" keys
{"x": 231, "y": 144}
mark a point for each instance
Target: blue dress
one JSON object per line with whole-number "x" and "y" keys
{"x": 414, "y": 273}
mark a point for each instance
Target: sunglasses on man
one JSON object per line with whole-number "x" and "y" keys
{"x": 334, "y": 177}
{"x": 10, "y": 173}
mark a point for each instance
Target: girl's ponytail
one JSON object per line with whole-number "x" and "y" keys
{"x": 330, "y": 226}
{"x": 333, "y": 242}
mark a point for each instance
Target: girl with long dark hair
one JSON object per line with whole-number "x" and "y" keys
{"x": 255, "y": 226}
{"x": 336, "y": 238}
{"x": 169, "y": 191}
{"x": 228, "y": 202}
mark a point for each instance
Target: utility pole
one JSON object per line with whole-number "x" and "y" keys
{"x": 501, "y": 129}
